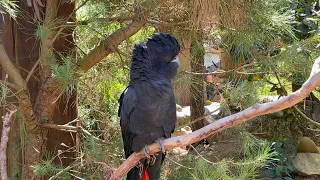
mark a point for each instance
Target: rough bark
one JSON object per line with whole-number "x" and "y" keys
{"x": 65, "y": 109}
{"x": 3, "y": 144}
{"x": 50, "y": 104}
{"x": 44, "y": 105}
{"x": 33, "y": 152}
{"x": 227, "y": 122}
{"x": 16, "y": 77}
{"x": 46, "y": 48}
{"x": 25, "y": 104}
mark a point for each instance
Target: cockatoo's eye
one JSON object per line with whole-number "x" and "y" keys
{"x": 176, "y": 59}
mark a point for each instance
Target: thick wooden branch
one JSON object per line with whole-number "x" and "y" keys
{"x": 4, "y": 143}
{"x": 284, "y": 92}
{"x": 10, "y": 68}
{"x": 227, "y": 122}
{"x": 20, "y": 85}
{"x": 108, "y": 45}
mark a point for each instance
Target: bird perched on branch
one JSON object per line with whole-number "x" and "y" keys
{"x": 147, "y": 106}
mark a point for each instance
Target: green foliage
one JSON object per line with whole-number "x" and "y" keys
{"x": 289, "y": 129}
{"x": 105, "y": 130}
{"x": 94, "y": 153}
{"x": 42, "y": 32}
{"x": 63, "y": 72}
{"x": 141, "y": 35}
{"x": 111, "y": 88}
{"x": 46, "y": 167}
{"x": 240, "y": 95}
{"x": 307, "y": 17}
{"x": 9, "y": 7}
{"x": 205, "y": 170}
{"x": 94, "y": 150}
{"x": 256, "y": 153}
{"x": 266, "y": 21}
{"x": 272, "y": 44}
{"x": 197, "y": 50}
{"x": 280, "y": 166}
{"x": 293, "y": 62}
{"x": 98, "y": 9}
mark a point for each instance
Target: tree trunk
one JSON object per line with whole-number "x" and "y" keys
{"x": 196, "y": 87}
{"x": 23, "y": 49}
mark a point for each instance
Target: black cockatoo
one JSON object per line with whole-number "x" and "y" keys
{"x": 147, "y": 106}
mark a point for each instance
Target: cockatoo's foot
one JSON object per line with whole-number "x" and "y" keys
{"x": 151, "y": 158}
{"x": 161, "y": 145}
{"x": 146, "y": 152}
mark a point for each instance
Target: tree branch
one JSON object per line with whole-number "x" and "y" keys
{"x": 10, "y": 69}
{"x": 226, "y": 72}
{"x": 9, "y": 85}
{"x": 306, "y": 117}
{"x": 108, "y": 45}
{"x": 227, "y": 122}
{"x": 236, "y": 70}
{"x": 68, "y": 128}
{"x": 32, "y": 70}
{"x": 284, "y": 91}
{"x": 23, "y": 96}
{"x": 121, "y": 18}
{"x": 4, "y": 143}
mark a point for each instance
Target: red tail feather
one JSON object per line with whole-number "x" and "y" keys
{"x": 145, "y": 175}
